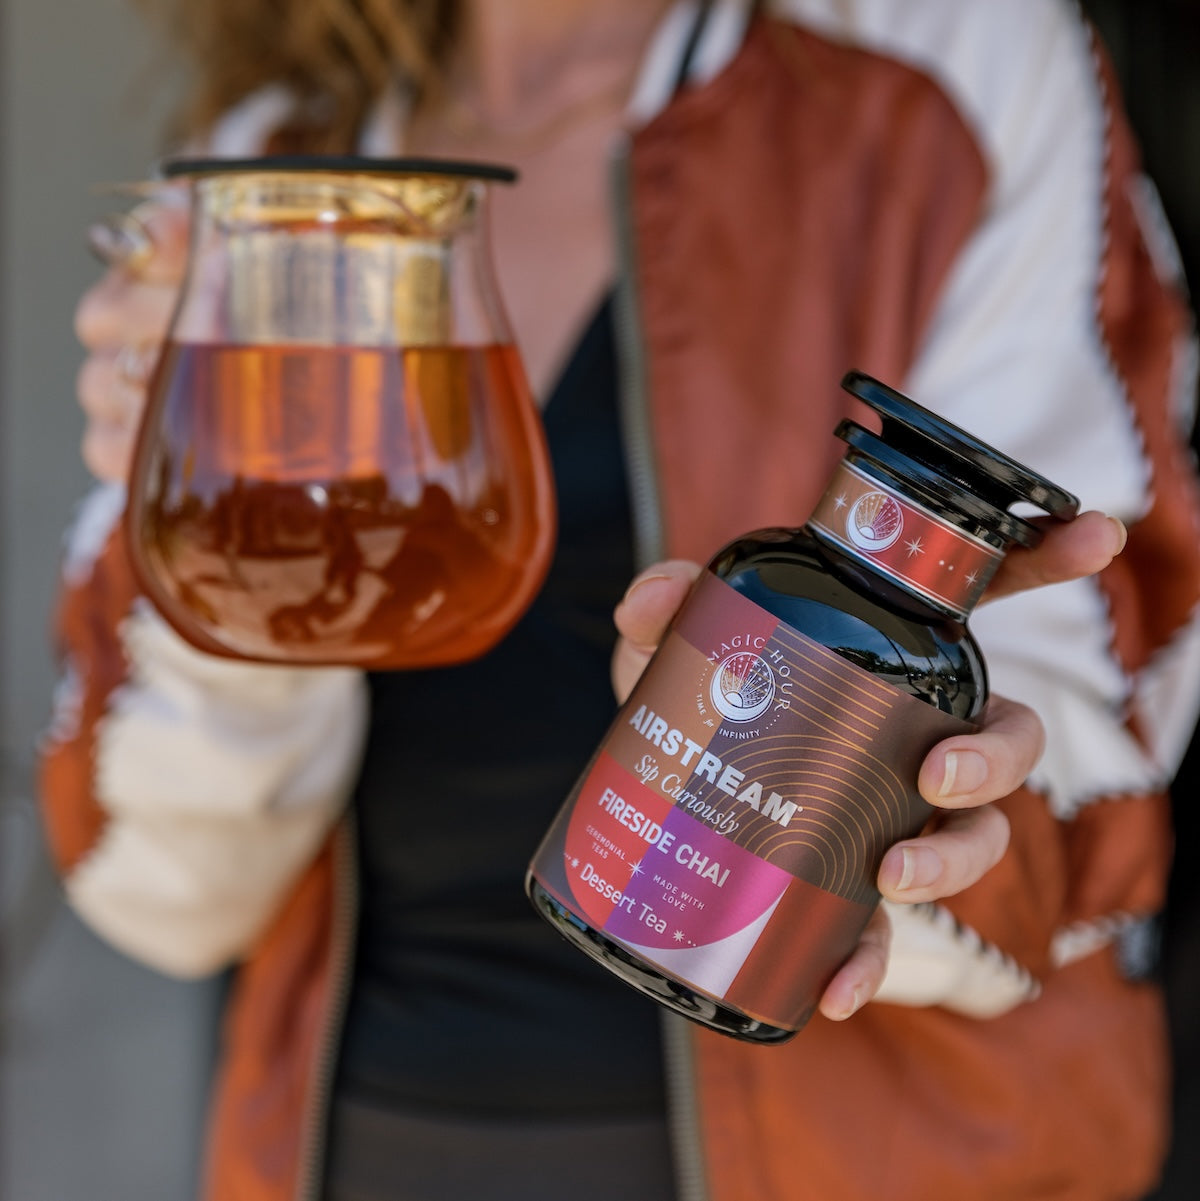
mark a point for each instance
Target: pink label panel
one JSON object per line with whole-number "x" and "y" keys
{"x": 646, "y": 872}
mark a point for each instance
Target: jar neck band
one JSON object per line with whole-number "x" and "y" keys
{"x": 913, "y": 547}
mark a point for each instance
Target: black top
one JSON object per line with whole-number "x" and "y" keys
{"x": 950, "y": 466}
{"x": 464, "y": 1001}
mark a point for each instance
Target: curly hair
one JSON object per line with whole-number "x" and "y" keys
{"x": 336, "y": 56}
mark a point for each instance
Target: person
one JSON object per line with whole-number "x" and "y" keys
{"x": 722, "y": 206}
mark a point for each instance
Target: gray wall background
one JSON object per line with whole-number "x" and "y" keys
{"x": 101, "y": 1063}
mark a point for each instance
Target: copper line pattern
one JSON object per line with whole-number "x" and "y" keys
{"x": 823, "y": 682}
{"x": 774, "y": 752}
{"x": 856, "y": 724}
{"x": 816, "y": 714}
{"x": 827, "y": 661}
{"x": 857, "y": 809}
{"x": 820, "y": 692}
{"x": 854, "y": 796}
{"x": 840, "y": 826}
{"x": 757, "y": 761}
{"x": 830, "y": 661}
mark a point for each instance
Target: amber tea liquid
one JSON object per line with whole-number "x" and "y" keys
{"x": 354, "y": 505}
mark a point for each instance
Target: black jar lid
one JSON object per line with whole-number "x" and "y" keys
{"x": 956, "y": 467}
{"x": 346, "y": 164}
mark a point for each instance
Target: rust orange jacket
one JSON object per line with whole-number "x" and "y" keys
{"x": 941, "y": 193}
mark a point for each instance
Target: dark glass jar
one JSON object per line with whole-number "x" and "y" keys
{"x": 720, "y": 851}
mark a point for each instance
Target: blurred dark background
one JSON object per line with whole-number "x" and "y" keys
{"x": 1155, "y": 47}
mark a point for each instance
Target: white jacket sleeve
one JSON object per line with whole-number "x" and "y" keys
{"x": 184, "y": 793}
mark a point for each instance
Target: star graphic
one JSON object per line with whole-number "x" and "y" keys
{"x": 636, "y": 868}
{"x": 574, "y": 862}
{"x": 914, "y": 547}
{"x": 678, "y": 936}
{"x": 840, "y": 502}
{"x": 972, "y": 578}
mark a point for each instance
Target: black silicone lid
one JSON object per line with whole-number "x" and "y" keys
{"x": 945, "y": 448}
{"x": 934, "y": 486}
{"x": 348, "y": 164}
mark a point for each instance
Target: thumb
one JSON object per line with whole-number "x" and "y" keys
{"x": 643, "y": 615}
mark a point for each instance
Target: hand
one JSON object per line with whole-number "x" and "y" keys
{"x": 121, "y": 321}
{"x": 961, "y": 775}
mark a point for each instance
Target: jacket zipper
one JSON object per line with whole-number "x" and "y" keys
{"x": 678, "y": 1058}
{"x": 313, "y": 1134}
{"x": 683, "y": 1113}
{"x": 648, "y": 548}
{"x": 631, "y": 374}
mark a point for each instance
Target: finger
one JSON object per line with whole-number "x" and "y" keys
{"x": 95, "y": 386}
{"x": 963, "y": 847}
{"x": 120, "y": 310}
{"x": 112, "y": 391}
{"x": 643, "y": 615}
{"x": 111, "y": 386}
{"x": 1068, "y": 551}
{"x": 146, "y": 250}
{"x": 652, "y": 599}
{"x": 107, "y": 451}
{"x": 110, "y": 382}
{"x": 972, "y": 769}
{"x": 859, "y": 978}
{"x": 149, "y": 241}
{"x": 120, "y": 240}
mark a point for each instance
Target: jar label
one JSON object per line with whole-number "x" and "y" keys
{"x": 904, "y": 540}
{"x": 730, "y": 827}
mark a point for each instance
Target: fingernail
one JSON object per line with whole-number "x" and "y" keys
{"x": 856, "y": 1002}
{"x": 120, "y": 240}
{"x": 963, "y": 773}
{"x": 1122, "y": 534}
{"x": 922, "y": 866}
{"x": 642, "y": 580}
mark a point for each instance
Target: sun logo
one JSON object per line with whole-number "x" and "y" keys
{"x": 743, "y": 686}
{"x": 874, "y": 522}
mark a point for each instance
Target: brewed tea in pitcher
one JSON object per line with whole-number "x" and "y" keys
{"x": 340, "y": 460}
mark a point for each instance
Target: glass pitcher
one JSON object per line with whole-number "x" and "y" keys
{"x": 340, "y": 461}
